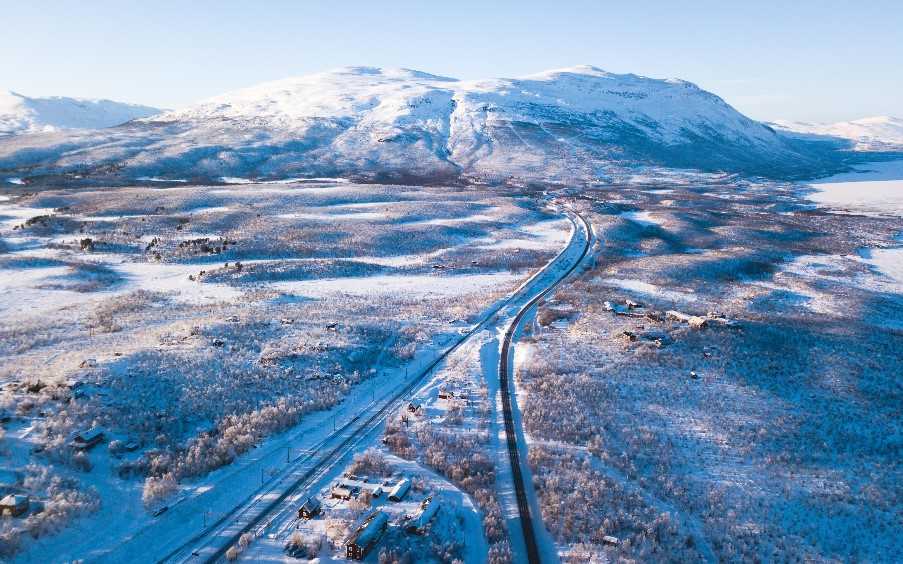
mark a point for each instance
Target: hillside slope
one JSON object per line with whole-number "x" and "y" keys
{"x": 576, "y": 124}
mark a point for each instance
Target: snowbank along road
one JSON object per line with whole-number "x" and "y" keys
{"x": 273, "y": 507}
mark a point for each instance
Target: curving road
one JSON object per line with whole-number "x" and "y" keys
{"x": 506, "y": 385}
{"x": 272, "y": 507}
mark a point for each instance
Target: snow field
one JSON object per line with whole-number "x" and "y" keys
{"x": 199, "y": 373}
{"x": 727, "y": 442}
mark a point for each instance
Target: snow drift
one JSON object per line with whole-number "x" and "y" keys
{"x": 574, "y": 124}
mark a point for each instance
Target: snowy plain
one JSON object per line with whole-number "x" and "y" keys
{"x": 106, "y": 285}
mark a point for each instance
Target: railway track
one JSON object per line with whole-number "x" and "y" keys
{"x": 254, "y": 516}
{"x": 505, "y": 385}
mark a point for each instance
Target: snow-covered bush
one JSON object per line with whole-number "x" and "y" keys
{"x": 371, "y": 462}
{"x": 157, "y": 489}
{"x": 299, "y": 546}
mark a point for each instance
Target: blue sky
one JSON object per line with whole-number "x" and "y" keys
{"x": 818, "y": 61}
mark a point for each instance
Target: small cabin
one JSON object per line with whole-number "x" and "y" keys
{"x": 85, "y": 440}
{"x": 344, "y": 491}
{"x": 445, "y": 393}
{"x": 400, "y": 490}
{"x": 14, "y": 505}
{"x": 420, "y": 521}
{"x": 309, "y": 509}
{"x": 366, "y": 536}
{"x": 610, "y": 540}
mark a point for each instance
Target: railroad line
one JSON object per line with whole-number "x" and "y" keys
{"x": 199, "y": 548}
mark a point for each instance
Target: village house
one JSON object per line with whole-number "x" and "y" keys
{"x": 85, "y": 440}
{"x": 366, "y": 535}
{"x": 14, "y": 505}
{"x": 418, "y": 522}
{"x": 344, "y": 491}
{"x": 309, "y": 509}
{"x": 400, "y": 490}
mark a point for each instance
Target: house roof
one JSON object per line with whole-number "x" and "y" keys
{"x": 90, "y": 434}
{"x": 13, "y": 499}
{"x": 370, "y": 529}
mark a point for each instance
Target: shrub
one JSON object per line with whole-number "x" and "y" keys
{"x": 156, "y": 489}
{"x": 370, "y": 462}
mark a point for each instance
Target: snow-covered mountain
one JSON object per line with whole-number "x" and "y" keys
{"x": 568, "y": 124}
{"x": 22, "y": 114}
{"x": 879, "y": 133}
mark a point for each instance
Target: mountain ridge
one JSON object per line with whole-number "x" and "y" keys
{"x": 577, "y": 124}
{"x": 874, "y": 133}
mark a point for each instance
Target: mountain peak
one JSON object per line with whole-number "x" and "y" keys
{"x": 389, "y": 72}
{"x": 397, "y": 122}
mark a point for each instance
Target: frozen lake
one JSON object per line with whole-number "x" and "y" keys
{"x": 875, "y": 188}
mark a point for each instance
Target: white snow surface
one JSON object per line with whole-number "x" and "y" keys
{"x": 867, "y": 134}
{"x": 22, "y": 114}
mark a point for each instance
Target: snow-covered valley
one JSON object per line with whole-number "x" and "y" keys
{"x": 296, "y": 297}
{"x": 137, "y": 314}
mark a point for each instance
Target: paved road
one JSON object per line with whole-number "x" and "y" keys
{"x": 506, "y": 385}
{"x": 276, "y": 503}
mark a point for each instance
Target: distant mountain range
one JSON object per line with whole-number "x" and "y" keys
{"x": 21, "y": 114}
{"x": 570, "y": 125}
{"x": 880, "y": 133}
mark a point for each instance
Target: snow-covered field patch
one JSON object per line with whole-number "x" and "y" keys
{"x": 643, "y": 218}
{"x": 423, "y": 285}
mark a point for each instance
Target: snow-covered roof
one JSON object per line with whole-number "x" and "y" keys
{"x": 400, "y": 488}
{"x": 14, "y": 500}
{"x": 369, "y": 530}
{"x": 89, "y": 435}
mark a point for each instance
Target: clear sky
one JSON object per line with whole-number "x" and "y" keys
{"x": 805, "y": 60}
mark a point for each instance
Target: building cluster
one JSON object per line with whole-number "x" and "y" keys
{"x": 370, "y": 530}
